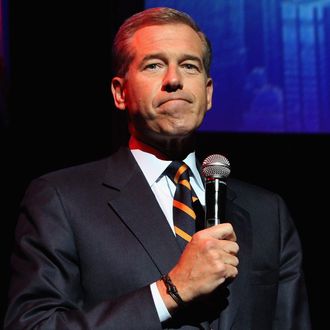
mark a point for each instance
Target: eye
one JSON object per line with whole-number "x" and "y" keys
{"x": 189, "y": 67}
{"x": 152, "y": 66}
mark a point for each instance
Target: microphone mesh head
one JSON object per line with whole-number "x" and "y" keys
{"x": 216, "y": 166}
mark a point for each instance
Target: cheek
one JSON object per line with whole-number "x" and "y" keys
{"x": 134, "y": 100}
{"x": 141, "y": 95}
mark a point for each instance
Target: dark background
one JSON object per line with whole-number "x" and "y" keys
{"x": 60, "y": 113}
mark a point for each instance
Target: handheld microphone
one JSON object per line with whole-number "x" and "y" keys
{"x": 215, "y": 169}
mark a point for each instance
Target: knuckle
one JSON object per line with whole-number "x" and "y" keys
{"x": 197, "y": 236}
{"x": 235, "y": 261}
{"x": 229, "y": 226}
{"x": 209, "y": 245}
{"x": 234, "y": 247}
{"x": 235, "y": 271}
{"x": 220, "y": 268}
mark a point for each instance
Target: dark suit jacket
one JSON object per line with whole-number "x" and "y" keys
{"x": 90, "y": 240}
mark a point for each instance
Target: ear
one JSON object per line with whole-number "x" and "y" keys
{"x": 118, "y": 92}
{"x": 209, "y": 93}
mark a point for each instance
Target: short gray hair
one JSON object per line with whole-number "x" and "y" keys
{"x": 121, "y": 51}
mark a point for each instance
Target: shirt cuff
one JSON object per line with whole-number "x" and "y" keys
{"x": 162, "y": 311}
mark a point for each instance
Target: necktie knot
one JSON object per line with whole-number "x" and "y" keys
{"x": 178, "y": 171}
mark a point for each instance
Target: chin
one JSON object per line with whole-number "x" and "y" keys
{"x": 180, "y": 133}
{"x": 184, "y": 130}
{"x": 177, "y": 128}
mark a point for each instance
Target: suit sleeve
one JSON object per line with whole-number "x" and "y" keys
{"x": 46, "y": 290}
{"x": 292, "y": 310}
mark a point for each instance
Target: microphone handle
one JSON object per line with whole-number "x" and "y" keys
{"x": 215, "y": 200}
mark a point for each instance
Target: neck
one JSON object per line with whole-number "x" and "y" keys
{"x": 169, "y": 149}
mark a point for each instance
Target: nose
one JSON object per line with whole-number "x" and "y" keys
{"x": 172, "y": 80}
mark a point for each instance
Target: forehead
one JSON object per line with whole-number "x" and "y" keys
{"x": 167, "y": 38}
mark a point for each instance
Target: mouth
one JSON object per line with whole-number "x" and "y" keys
{"x": 178, "y": 100}
{"x": 174, "y": 98}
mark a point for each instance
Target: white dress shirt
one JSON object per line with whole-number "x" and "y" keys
{"x": 163, "y": 188}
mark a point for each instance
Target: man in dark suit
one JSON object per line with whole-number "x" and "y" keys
{"x": 96, "y": 244}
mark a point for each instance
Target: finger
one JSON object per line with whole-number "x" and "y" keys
{"x": 231, "y": 271}
{"x": 221, "y": 231}
{"x": 228, "y": 272}
{"x": 229, "y": 246}
{"x": 231, "y": 261}
{"x": 223, "y": 258}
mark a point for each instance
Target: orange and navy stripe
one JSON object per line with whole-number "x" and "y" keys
{"x": 181, "y": 206}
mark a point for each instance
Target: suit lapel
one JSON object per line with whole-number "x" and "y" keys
{"x": 134, "y": 202}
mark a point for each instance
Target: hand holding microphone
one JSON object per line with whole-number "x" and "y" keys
{"x": 210, "y": 257}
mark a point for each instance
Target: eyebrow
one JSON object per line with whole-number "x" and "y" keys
{"x": 184, "y": 57}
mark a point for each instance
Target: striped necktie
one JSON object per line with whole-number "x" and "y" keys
{"x": 184, "y": 216}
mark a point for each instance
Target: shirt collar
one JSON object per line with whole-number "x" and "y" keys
{"x": 153, "y": 167}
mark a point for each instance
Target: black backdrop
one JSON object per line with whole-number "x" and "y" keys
{"x": 61, "y": 113}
